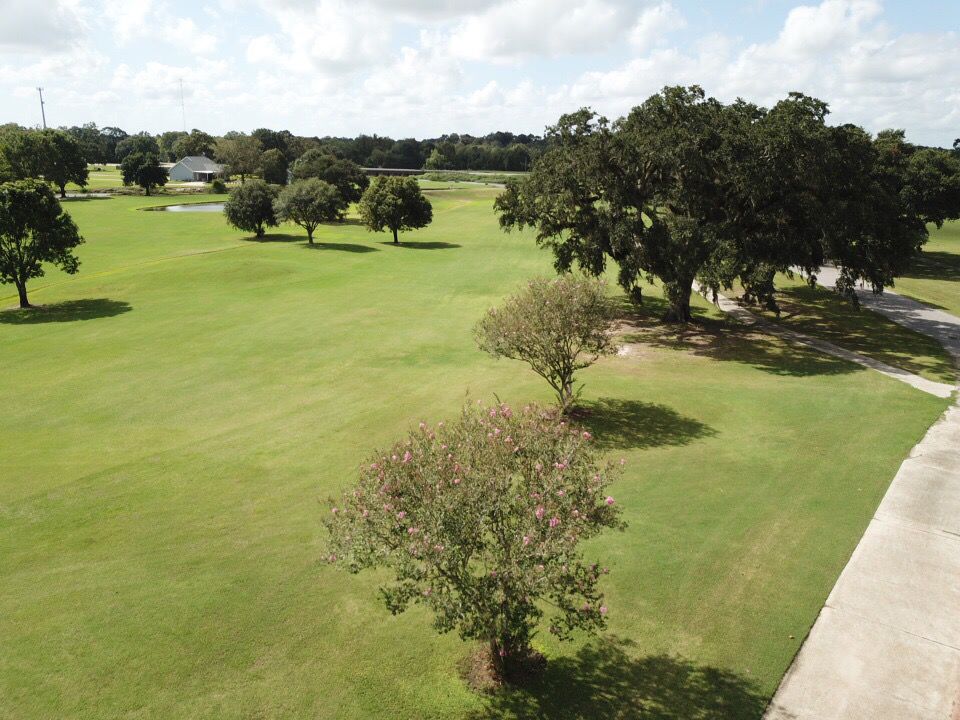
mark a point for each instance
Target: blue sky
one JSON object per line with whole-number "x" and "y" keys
{"x": 424, "y": 67}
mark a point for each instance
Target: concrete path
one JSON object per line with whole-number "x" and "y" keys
{"x": 887, "y": 643}
{"x": 733, "y": 309}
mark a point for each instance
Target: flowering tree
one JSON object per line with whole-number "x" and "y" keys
{"x": 556, "y": 326}
{"x": 480, "y": 521}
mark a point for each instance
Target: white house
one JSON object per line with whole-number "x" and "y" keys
{"x": 196, "y": 168}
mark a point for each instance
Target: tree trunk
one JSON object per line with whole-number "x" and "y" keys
{"x": 146, "y": 190}
{"x": 63, "y": 191}
{"x": 310, "y": 235}
{"x": 678, "y": 296}
{"x": 22, "y": 292}
{"x": 259, "y": 231}
{"x": 395, "y": 240}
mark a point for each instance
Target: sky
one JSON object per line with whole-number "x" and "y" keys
{"x": 421, "y": 68}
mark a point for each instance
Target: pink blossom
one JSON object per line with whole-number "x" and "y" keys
{"x": 609, "y": 500}
{"x": 623, "y": 461}
{"x": 334, "y": 511}
{"x": 576, "y": 513}
{"x": 412, "y": 530}
{"x": 401, "y": 515}
{"x": 539, "y": 512}
{"x": 539, "y": 467}
{"x": 374, "y": 466}
{"x": 456, "y": 481}
{"x": 493, "y": 412}
{"x": 560, "y": 465}
{"x": 365, "y": 512}
{"x": 526, "y": 540}
{"x": 586, "y": 435}
{"x": 393, "y": 457}
{"x": 332, "y": 558}
{"x": 554, "y": 521}
{"x": 603, "y": 609}
{"x": 496, "y": 431}
{"x": 407, "y": 457}
{"x": 423, "y": 425}
{"x": 561, "y": 493}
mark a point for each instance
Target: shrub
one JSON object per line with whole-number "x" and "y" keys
{"x": 480, "y": 520}
{"x": 556, "y": 326}
{"x": 250, "y": 206}
{"x": 218, "y": 186}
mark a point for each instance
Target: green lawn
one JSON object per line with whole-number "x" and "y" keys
{"x": 179, "y": 410}
{"x": 935, "y": 277}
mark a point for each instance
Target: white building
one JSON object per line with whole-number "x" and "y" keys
{"x": 196, "y": 168}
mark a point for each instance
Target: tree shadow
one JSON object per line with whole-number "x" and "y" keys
{"x": 344, "y": 247}
{"x": 68, "y": 311}
{"x": 935, "y": 265}
{"x": 723, "y": 339}
{"x": 605, "y": 680}
{"x": 276, "y": 238}
{"x": 623, "y": 424}
{"x": 346, "y": 221}
{"x": 410, "y": 245}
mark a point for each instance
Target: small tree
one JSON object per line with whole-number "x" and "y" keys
{"x": 480, "y": 521}
{"x": 33, "y": 230}
{"x": 63, "y": 161}
{"x": 143, "y": 170}
{"x": 309, "y": 203}
{"x": 345, "y": 175}
{"x": 396, "y": 203}
{"x": 250, "y": 207}
{"x": 556, "y": 326}
{"x": 241, "y": 154}
{"x": 273, "y": 167}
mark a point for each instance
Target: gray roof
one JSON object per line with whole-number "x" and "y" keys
{"x": 199, "y": 163}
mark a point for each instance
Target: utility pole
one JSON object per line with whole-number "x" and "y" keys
{"x": 183, "y": 108}
{"x": 43, "y": 113}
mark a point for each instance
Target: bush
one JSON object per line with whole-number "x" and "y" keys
{"x": 556, "y": 326}
{"x": 218, "y": 186}
{"x": 480, "y": 520}
{"x": 250, "y": 206}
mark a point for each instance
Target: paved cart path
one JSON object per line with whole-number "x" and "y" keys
{"x": 887, "y": 642}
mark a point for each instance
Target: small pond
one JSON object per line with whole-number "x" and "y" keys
{"x": 195, "y": 207}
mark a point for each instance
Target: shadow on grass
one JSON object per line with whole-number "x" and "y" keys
{"x": 277, "y": 238}
{"x": 346, "y": 221}
{"x": 435, "y": 245}
{"x": 604, "y": 680}
{"x": 623, "y": 424}
{"x": 724, "y": 339}
{"x": 344, "y": 247}
{"x": 935, "y": 265}
{"x": 68, "y": 311}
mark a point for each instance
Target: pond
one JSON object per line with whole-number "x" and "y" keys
{"x": 195, "y": 207}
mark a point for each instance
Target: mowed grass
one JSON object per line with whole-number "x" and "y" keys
{"x": 177, "y": 414}
{"x": 935, "y": 276}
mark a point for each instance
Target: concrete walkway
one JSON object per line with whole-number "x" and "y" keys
{"x": 747, "y": 317}
{"x": 887, "y": 643}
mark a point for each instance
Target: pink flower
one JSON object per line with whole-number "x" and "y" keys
{"x": 526, "y": 540}
{"x": 539, "y": 467}
{"x": 554, "y": 521}
{"x": 456, "y": 481}
{"x": 493, "y": 412}
{"x": 332, "y": 558}
{"x": 603, "y": 609}
{"x": 609, "y": 500}
{"x": 407, "y": 457}
{"x": 373, "y": 466}
{"x": 623, "y": 461}
{"x": 539, "y": 512}
{"x": 561, "y": 493}
{"x": 401, "y": 515}
{"x": 423, "y": 425}
{"x": 560, "y": 465}
{"x": 412, "y": 531}
{"x": 334, "y": 511}
{"x": 586, "y": 435}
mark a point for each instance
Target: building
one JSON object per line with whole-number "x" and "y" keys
{"x": 195, "y": 168}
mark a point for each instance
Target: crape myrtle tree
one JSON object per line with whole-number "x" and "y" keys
{"x": 308, "y": 203}
{"x": 34, "y": 230}
{"x": 557, "y": 326}
{"x": 395, "y": 203}
{"x": 480, "y": 520}
{"x": 345, "y": 175}
{"x": 250, "y": 207}
{"x": 143, "y": 170}
{"x": 687, "y": 188}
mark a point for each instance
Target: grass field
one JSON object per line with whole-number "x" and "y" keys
{"x": 177, "y": 412}
{"x": 935, "y": 277}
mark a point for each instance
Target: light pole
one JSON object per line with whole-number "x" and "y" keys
{"x": 43, "y": 113}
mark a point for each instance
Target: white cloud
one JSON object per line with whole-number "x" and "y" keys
{"x": 654, "y": 24}
{"x": 29, "y": 25}
{"x": 516, "y": 29}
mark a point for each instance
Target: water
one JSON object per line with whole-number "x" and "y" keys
{"x": 196, "y": 207}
